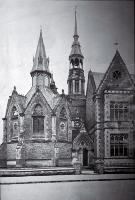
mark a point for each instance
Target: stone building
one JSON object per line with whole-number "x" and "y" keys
{"x": 45, "y": 128}
{"x": 110, "y": 116}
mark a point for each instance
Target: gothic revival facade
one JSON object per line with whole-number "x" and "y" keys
{"x": 45, "y": 128}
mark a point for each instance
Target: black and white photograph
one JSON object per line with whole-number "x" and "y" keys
{"x": 67, "y": 100}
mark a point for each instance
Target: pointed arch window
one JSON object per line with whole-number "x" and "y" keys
{"x": 38, "y": 120}
{"x": 63, "y": 113}
{"x": 76, "y": 86}
{"x": 14, "y": 123}
{"x": 14, "y": 112}
{"x": 76, "y": 62}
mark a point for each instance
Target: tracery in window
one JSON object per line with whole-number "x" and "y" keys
{"x": 38, "y": 120}
{"x": 119, "y": 145}
{"x": 119, "y": 111}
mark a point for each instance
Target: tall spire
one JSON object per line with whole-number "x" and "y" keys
{"x": 75, "y": 32}
{"x": 40, "y": 71}
{"x": 76, "y": 48}
{"x": 40, "y": 61}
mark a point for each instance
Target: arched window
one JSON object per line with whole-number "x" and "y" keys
{"x": 38, "y": 120}
{"x": 63, "y": 113}
{"x": 72, "y": 62}
{"x": 76, "y": 86}
{"x": 14, "y": 112}
{"x": 76, "y": 62}
{"x": 14, "y": 122}
{"x": 81, "y": 63}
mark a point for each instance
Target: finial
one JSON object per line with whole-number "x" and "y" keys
{"x": 52, "y": 80}
{"x": 40, "y": 29}
{"x": 63, "y": 91}
{"x": 15, "y": 88}
{"x": 116, "y": 44}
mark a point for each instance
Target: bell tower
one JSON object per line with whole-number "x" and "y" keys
{"x": 76, "y": 79}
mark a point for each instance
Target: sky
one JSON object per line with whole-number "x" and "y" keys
{"x": 100, "y": 25}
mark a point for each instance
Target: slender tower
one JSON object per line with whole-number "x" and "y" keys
{"x": 40, "y": 71}
{"x": 76, "y": 79}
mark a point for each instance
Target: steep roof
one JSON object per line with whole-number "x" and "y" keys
{"x": 76, "y": 48}
{"x": 116, "y": 63}
{"x": 50, "y": 97}
{"x": 40, "y": 61}
{"x": 98, "y": 76}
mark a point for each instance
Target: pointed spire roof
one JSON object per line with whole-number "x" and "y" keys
{"x": 76, "y": 48}
{"x": 75, "y": 32}
{"x": 40, "y": 61}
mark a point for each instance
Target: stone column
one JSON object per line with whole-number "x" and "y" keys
{"x": 54, "y": 139}
{"x": 21, "y": 122}
{"x": 53, "y": 125}
{"x": 4, "y": 130}
{"x": 20, "y": 155}
{"x": 99, "y": 164}
{"x": 80, "y": 86}
{"x": 73, "y": 87}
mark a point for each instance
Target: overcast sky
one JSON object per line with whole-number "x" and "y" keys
{"x": 100, "y": 25}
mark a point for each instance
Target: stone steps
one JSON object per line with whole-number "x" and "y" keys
{"x": 37, "y": 171}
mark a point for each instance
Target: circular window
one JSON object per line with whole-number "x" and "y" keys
{"x": 116, "y": 74}
{"x": 62, "y": 126}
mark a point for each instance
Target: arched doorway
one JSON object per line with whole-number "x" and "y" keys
{"x": 85, "y": 157}
{"x": 83, "y": 145}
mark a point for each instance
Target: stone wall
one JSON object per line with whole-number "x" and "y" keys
{"x": 3, "y": 155}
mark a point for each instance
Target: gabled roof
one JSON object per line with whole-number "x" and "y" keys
{"x": 82, "y": 140}
{"x": 18, "y": 100}
{"x": 91, "y": 86}
{"x": 116, "y": 64}
{"x": 98, "y": 76}
{"x": 51, "y": 98}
